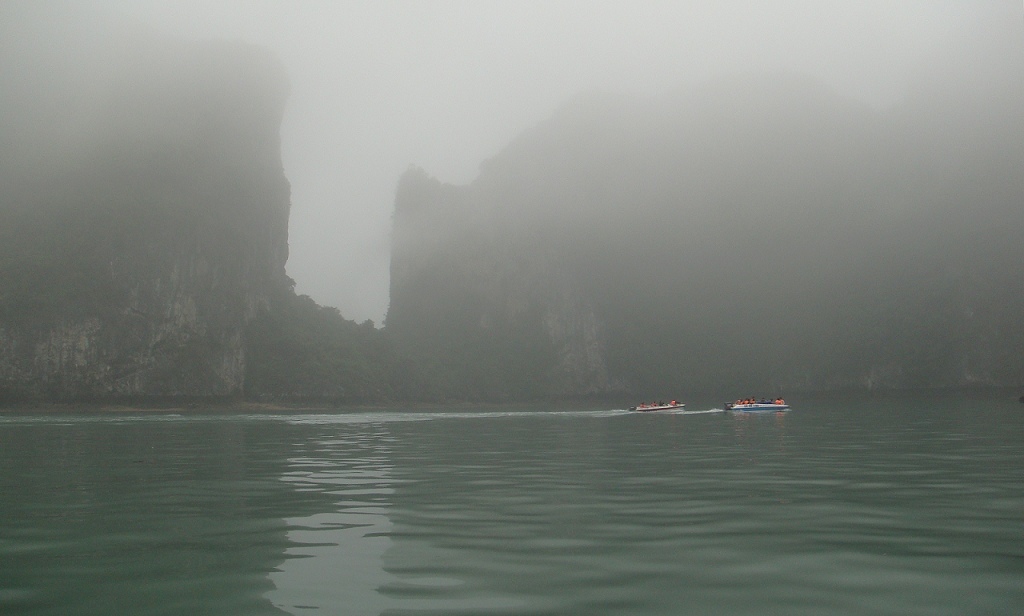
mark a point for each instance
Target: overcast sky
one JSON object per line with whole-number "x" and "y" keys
{"x": 378, "y": 86}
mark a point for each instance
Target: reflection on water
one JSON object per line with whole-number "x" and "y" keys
{"x": 335, "y": 563}
{"x": 758, "y": 434}
{"x": 871, "y": 506}
{"x": 119, "y": 515}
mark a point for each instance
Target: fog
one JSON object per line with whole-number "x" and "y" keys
{"x": 379, "y": 86}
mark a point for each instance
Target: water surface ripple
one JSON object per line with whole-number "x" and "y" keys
{"x": 843, "y": 506}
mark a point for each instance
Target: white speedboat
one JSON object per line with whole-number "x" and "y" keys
{"x": 756, "y": 407}
{"x": 672, "y": 406}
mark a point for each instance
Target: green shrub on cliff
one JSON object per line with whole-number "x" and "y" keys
{"x": 302, "y": 351}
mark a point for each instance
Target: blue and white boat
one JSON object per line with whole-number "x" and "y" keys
{"x": 756, "y": 407}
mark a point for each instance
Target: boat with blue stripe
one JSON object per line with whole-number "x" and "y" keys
{"x": 751, "y": 405}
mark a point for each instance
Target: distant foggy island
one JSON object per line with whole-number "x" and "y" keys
{"x": 759, "y": 233}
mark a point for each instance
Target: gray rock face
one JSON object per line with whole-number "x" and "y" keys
{"x": 134, "y": 252}
{"x": 485, "y": 304}
{"x": 579, "y": 339}
{"x": 759, "y": 232}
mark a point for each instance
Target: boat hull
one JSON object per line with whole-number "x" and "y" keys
{"x": 756, "y": 408}
{"x": 661, "y": 407}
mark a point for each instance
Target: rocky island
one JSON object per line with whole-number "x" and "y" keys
{"x": 758, "y": 231}
{"x": 144, "y": 234}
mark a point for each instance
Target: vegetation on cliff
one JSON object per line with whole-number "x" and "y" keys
{"x": 299, "y": 351}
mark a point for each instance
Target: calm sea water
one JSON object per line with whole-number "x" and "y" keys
{"x": 909, "y": 505}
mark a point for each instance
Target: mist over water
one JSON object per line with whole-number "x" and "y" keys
{"x": 573, "y": 199}
{"x": 793, "y": 186}
{"x": 377, "y": 87}
{"x": 857, "y": 505}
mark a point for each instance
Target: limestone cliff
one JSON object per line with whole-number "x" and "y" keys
{"x": 143, "y": 220}
{"x": 758, "y": 232}
{"x": 485, "y": 303}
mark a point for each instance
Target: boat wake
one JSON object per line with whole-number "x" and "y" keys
{"x": 677, "y": 412}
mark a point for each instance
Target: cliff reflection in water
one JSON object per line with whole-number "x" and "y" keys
{"x": 155, "y": 514}
{"x": 334, "y": 560}
{"x": 845, "y": 506}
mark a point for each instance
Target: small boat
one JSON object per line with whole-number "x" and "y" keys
{"x": 658, "y": 406}
{"x": 756, "y": 407}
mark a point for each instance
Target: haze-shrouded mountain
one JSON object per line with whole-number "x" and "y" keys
{"x": 759, "y": 232}
{"x": 145, "y": 214}
{"x": 144, "y": 229}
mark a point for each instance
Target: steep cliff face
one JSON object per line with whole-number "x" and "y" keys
{"x": 484, "y": 308}
{"x": 758, "y": 232}
{"x": 489, "y": 302}
{"x": 143, "y": 221}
